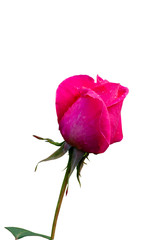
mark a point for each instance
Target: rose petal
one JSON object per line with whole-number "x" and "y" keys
{"x": 123, "y": 91}
{"x": 115, "y": 121}
{"x": 107, "y": 91}
{"x": 67, "y": 92}
{"x": 100, "y": 80}
{"x": 86, "y": 124}
{"x": 115, "y": 115}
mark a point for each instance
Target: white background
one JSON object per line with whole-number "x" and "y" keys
{"x": 41, "y": 44}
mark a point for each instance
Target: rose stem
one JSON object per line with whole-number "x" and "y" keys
{"x": 63, "y": 188}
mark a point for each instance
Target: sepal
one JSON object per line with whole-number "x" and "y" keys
{"x": 49, "y": 140}
{"x": 57, "y": 154}
{"x": 76, "y": 157}
{"x": 76, "y": 160}
{"x": 80, "y": 166}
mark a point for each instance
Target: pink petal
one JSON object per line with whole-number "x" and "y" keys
{"x": 100, "y": 80}
{"x": 115, "y": 121}
{"x": 67, "y": 92}
{"x": 115, "y": 115}
{"x": 107, "y": 91}
{"x": 122, "y": 93}
{"x": 86, "y": 124}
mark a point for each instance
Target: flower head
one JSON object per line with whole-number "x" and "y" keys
{"x": 89, "y": 112}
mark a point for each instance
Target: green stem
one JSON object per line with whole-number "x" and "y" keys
{"x": 63, "y": 188}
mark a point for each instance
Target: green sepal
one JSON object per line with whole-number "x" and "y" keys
{"x": 49, "y": 140}
{"x": 57, "y": 154}
{"x": 77, "y": 156}
{"x": 76, "y": 160}
{"x": 80, "y": 166}
{"x": 20, "y": 233}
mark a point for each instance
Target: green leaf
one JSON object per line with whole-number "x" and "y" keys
{"x": 48, "y": 140}
{"x": 59, "y": 153}
{"x": 20, "y": 233}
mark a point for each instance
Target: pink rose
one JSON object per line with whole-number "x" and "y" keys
{"x": 89, "y": 113}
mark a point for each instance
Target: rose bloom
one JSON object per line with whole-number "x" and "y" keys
{"x": 89, "y": 112}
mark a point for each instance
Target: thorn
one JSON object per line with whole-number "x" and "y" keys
{"x": 67, "y": 191}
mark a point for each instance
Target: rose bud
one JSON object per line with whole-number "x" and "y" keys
{"x": 89, "y": 112}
